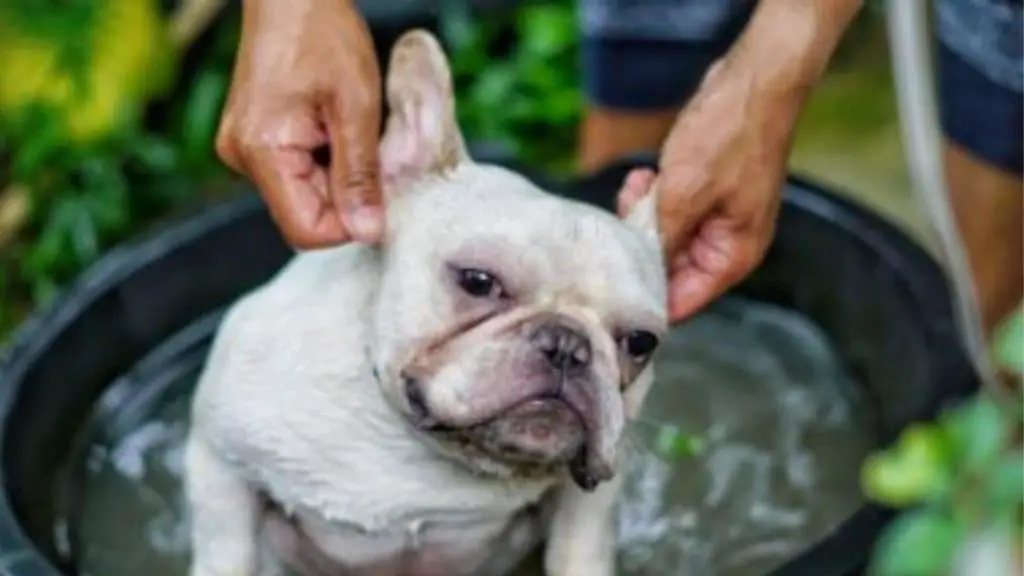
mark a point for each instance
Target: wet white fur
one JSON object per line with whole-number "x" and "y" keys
{"x": 287, "y": 405}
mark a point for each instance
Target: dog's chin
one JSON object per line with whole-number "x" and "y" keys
{"x": 540, "y": 430}
{"x": 537, "y": 437}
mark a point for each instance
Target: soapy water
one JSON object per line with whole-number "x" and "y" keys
{"x": 783, "y": 430}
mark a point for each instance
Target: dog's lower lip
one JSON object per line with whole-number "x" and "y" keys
{"x": 556, "y": 396}
{"x": 580, "y": 473}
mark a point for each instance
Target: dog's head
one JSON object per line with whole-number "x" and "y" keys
{"x": 514, "y": 327}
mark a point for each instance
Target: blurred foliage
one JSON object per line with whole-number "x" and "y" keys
{"x": 517, "y": 79}
{"x": 672, "y": 443}
{"x": 105, "y": 126}
{"x": 959, "y": 478}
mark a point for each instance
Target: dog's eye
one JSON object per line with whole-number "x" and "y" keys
{"x": 480, "y": 284}
{"x": 640, "y": 344}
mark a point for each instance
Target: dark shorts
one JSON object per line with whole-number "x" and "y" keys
{"x": 645, "y": 55}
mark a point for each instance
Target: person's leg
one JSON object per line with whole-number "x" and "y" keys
{"x": 980, "y": 73}
{"x": 641, "y": 61}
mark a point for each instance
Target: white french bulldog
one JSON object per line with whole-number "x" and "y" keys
{"x": 439, "y": 405}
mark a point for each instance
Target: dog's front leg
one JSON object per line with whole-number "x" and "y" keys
{"x": 581, "y": 538}
{"x": 224, "y": 513}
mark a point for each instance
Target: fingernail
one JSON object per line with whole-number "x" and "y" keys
{"x": 365, "y": 224}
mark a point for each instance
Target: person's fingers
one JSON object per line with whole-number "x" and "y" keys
{"x": 295, "y": 192}
{"x": 683, "y": 203}
{"x": 353, "y": 119}
{"x": 355, "y": 165}
{"x": 690, "y": 290}
{"x": 224, "y": 144}
{"x": 634, "y": 188}
{"x": 704, "y": 271}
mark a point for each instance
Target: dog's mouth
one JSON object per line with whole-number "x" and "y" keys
{"x": 544, "y": 431}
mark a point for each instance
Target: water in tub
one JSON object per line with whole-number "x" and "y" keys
{"x": 782, "y": 426}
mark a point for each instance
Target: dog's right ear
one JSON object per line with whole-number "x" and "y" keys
{"x": 421, "y": 136}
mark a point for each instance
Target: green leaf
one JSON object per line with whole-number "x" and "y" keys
{"x": 104, "y": 195}
{"x": 564, "y": 106}
{"x": 493, "y": 87}
{"x": 84, "y": 238}
{"x": 226, "y": 35}
{"x": 1009, "y": 341}
{"x": 155, "y": 153}
{"x": 521, "y": 109}
{"x": 37, "y": 151}
{"x": 1004, "y": 486}
{"x": 916, "y": 469}
{"x": 456, "y": 26}
{"x": 977, "y": 430}
{"x": 673, "y": 443}
{"x": 43, "y": 291}
{"x": 541, "y": 77}
{"x": 918, "y": 543}
{"x": 109, "y": 210}
{"x": 71, "y": 220}
{"x": 68, "y": 21}
{"x": 547, "y": 30}
{"x": 45, "y": 255}
{"x": 202, "y": 115}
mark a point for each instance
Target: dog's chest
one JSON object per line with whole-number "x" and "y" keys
{"x": 357, "y": 493}
{"x": 437, "y": 543}
{"x": 388, "y": 506}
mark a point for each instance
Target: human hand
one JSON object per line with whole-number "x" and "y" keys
{"x": 306, "y": 77}
{"x": 722, "y": 167}
{"x": 718, "y": 187}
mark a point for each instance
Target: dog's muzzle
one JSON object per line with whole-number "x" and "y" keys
{"x": 554, "y": 428}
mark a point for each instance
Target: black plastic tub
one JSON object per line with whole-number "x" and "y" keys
{"x": 150, "y": 308}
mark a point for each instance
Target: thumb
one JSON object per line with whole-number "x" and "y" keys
{"x": 712, "y": 263}
{"x": 354, "y": 127}
{"x": 679, "y": 214}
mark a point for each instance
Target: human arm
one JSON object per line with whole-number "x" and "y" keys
{"x": 724, "y": 161}
{"x": 306, "y": 77}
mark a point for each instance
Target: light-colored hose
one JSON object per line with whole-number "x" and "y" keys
{"x": 911, "y": 44}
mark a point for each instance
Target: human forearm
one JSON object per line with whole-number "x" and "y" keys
{"x": 280, "y": 13}
{"x": 788, "y": 43}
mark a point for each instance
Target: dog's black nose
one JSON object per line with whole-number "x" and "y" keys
{"x": 565, "y": 347}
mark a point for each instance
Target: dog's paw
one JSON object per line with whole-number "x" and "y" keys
{"x": 581, "y": 560}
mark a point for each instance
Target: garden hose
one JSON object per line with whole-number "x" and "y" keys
{"x": 911, "y": 45}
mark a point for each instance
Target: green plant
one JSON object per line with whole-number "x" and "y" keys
{"x": 959, "y": 478}
{"x": 517, "y": 79}
{"x": 99, "y": 134}
{"x": 109, "y": 120}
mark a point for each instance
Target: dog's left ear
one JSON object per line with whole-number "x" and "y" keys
{"x": 644, "y": 216}
{"x": 421, "y": 136}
